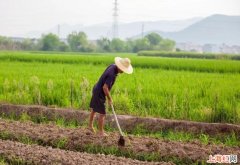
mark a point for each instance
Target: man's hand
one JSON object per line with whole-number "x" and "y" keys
{"x": 110, "y": 101}
{"x": 107, "y": 93}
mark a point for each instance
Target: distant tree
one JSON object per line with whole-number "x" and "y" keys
{"x": 154, "y": 38}
{"x": 3, "y": 40}
{"x": 63, "y": 47}
{"x": 167, "y": 45}
{"x": 130, "y": 43}
{"x": 6, "y": 43}
{"x": 117, "y": 45}
{"x": 193, "y": 50}
{"x": 77, "y": 41}
{"x": 28, "y": 44}
{"x": 91, "y": 47}
{"x": 104, "y": 45}
{"x": 49, "y": 42}
{"x": 141, "y": 44}
{"x": 178, "y": 50}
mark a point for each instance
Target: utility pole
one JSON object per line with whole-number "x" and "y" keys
{"x": 142, "y": 30}
{"x": 58, "y": 30}
{"x": 115, "y": 20}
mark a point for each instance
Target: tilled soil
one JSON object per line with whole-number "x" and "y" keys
{"x": 79, "y": 139}
{"x": 128, "y": 123}
{"x": 35, "y": 154}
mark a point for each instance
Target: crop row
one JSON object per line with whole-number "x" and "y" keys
{"x": 189, "y": 55}
{"x": 199, "y": 65}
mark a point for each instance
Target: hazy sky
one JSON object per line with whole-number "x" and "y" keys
{"x": 22, "y": 16}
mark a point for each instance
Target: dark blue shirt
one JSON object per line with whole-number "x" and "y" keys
{"x": 108, "y": 77}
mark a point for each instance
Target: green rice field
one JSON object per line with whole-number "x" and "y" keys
{"x": 174, "y": 88}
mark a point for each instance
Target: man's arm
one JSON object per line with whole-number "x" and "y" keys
{"x": 107, "y": 93}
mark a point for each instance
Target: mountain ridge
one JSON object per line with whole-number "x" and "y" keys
{"x": 126, "y": 30}
{"x": 215, "y": 29}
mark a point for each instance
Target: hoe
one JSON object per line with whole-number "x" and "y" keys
{"x": 121, "y": 141}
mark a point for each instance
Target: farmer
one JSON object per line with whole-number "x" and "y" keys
{"x": 101, "y": 91}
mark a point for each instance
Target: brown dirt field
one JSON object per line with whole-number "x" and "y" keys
{"x": 128, "y": 123}
{"x": 78, "y": 139}
{"x": 35, "y": 154}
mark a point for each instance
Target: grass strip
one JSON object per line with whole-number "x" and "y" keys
{"x": 4, "y": 160}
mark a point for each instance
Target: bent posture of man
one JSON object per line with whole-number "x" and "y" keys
{"x": 102, "y": 88}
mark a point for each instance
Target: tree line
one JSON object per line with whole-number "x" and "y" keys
{"x": 78, "y": 42}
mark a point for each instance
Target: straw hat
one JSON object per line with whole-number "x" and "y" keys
{"x": 124, "y": 64}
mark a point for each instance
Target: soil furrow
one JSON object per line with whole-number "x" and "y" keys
{"x": 35, "y": 154}
{"x": 82, "y": 139}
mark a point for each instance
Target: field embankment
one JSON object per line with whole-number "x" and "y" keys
{"x": 128, "y": 123}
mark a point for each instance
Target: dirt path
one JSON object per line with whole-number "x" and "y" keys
{"x": 79, "y": 139}
{"x": 35, "y": 154}
{"x": 128, "y": 123}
